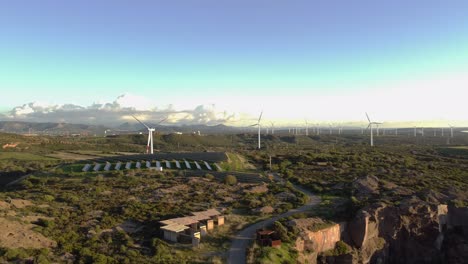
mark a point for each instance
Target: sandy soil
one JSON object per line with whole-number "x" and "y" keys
{"x": 14, "y": 234}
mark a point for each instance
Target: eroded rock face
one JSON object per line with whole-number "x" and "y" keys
{"x": 310, "y": 242}
{"x": 413, "y": 232}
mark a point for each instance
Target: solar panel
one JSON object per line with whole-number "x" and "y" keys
{"x": 148, "y": 164}
{"x": 97, "y": 167}
{"x": 198, "y": 165}
{"x": 187, "y": 164}
{"x": 128, "y": 165}
{"x": 207, "y": 165}
{"x": 107, "y": 167}
{"x": 86, "y": 167}
{"x": 168, "y": 164}
{"x": 118, "y": 165}
{"x": 177, "y": 164}
{"x": 218, "y": 168}
{"x": 138, "y": 165}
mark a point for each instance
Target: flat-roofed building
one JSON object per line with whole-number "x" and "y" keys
{"x": 172, "y": 231}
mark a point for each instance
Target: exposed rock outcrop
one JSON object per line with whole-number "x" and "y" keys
{"x": 366, "y": 186}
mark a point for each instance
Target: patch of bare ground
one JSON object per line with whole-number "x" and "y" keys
{"x": 14, "y": 234}
{"x": 20, "y": 203}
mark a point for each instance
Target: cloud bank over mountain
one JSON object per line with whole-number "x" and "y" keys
{"x": 119, "y": 111}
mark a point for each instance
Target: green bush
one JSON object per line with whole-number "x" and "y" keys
{"x": 230, "y": 180}
{"x": 209, "y": 176}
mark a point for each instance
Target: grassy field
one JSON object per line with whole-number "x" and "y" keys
{"x": 23, "y": 156}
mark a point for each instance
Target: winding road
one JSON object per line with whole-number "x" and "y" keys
{"x": 242, "y": 240}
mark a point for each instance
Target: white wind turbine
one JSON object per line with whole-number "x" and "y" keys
{"x": 451, "y": 130}
{"x": 259, "y": 127}
{"x": 307, "y": 128}
{"x": 272, "y": 128}
{"x": 149, "y": 146}
{"x": 371, "y": 130}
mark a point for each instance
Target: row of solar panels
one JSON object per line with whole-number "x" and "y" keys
{"x": 209, "y": 156}
{"x": 148, "y": 164}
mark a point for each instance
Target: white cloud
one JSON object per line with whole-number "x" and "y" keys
{"x": 119, "y": 111}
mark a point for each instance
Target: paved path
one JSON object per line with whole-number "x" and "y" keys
{"x": 243, "y": 239}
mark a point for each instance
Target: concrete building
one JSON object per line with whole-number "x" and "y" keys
{"x": 197, "y": 225}
{"x": 172, "y": 231}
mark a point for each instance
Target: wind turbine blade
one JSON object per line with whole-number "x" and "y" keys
{"x": 370, "y": 124}
{"x": 163, "y": 120}
{"x": 260, "y": 118}
{"x": 253, "y": 125}
{"x": 140, "y": 122}
{"x": 368, "y": 117}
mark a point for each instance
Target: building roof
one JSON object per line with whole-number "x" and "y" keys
{"x": 187, "y": 220}
{"x": 175, "y": 228}
{"x": 208, "y": 213}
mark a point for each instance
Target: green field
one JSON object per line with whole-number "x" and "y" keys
{"x": 23, "y": 156}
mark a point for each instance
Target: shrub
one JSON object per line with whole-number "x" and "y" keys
{"x": 230, "y": 180}
{"x": 209, "y": 176}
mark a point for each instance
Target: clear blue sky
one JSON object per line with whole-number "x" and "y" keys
{"x": 84, "y": 51}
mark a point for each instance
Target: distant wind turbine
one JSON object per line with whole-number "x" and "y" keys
{"x": 371, "y": 130}
{"x": 272, "y": 128}
{"x": 451, "y": 130}
{"x": 259, "y": 127}
{"x": 307, "y": 128}
{"x": 149, "y": 146}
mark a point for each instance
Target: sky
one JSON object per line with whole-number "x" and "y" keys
{"x": 324, "y": 61}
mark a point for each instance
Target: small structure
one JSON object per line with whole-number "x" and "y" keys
{"x": 156, "y": 168}
{"x": 267, "y": 238}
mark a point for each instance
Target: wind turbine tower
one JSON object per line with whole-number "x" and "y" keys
{"x": 149, "y": 145}
{"x": 259, "y": 128}
{"x": 451, "y": 131}
{"x": 306, "y": 128}
{"x": 371, "y": 129}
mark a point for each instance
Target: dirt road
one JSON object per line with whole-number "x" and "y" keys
{"x": 243, "y": 239}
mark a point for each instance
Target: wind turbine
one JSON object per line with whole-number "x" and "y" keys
{"x": 272, "y": 128}
{"x": 259, "y": 127}
{"x": 371, "y": 130}
{"x": 451, "y": 130}
{"x": 307, "y": 128}
{"x": 149, "y": 146}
